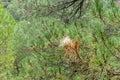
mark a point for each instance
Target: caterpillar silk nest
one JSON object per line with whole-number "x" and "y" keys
{"x": 65, "y": 41}
{"x": 70, "y": 48}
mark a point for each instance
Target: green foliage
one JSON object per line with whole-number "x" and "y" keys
{"x": 37, "y": 38}
{"x": 6, "y": 48}
{"x": 23, "y": 9}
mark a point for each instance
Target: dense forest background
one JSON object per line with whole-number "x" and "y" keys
{"x": 31, "y": 30}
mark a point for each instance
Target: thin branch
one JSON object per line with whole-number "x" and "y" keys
{"x": 113, "y": 73}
